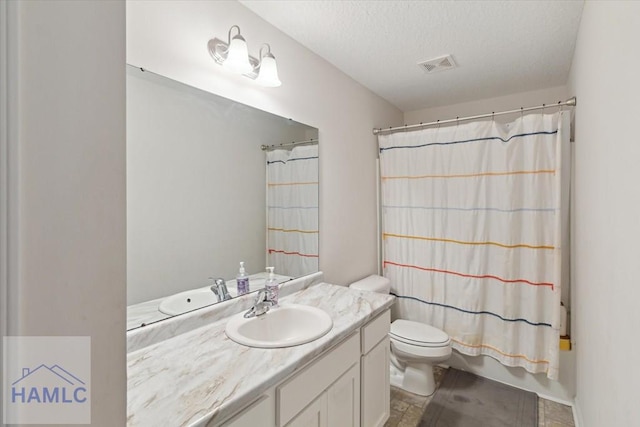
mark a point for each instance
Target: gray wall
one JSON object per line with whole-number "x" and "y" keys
{"x": 606, "y": 210}
{"x": 66, "y": 181}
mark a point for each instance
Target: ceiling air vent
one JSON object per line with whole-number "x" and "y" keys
{"x": 437, "y": 64}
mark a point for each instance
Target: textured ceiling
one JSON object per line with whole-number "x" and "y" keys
{"x": 500, "y": 47}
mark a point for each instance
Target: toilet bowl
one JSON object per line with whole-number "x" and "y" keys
{"x": 415, "y": 346}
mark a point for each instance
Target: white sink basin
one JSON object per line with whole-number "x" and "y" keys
{"x": 283, "y": 326}
{"x": 187, "y": 301}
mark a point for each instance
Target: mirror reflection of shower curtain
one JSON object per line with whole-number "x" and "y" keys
{"x": 472, "y": 234}
{"x": 292, "y": 210}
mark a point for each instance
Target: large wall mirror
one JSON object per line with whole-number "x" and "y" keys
{"x": 211, "y": 183}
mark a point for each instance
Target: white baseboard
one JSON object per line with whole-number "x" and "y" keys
{"x": 556, "y": 399}
{"x": 577, "y": 413}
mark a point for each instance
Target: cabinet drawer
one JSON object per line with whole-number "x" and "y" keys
{"x": 296, "y": 393}
{"x": 375, "y": 330}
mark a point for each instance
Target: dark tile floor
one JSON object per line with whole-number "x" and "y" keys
{"x": 407, "y": 408}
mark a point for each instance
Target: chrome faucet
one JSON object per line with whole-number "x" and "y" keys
{"x": 219, "y": 288}
{"x": 260, "y": 306}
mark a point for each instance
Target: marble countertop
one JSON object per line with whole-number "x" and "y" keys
{"x": 202, "y": 375}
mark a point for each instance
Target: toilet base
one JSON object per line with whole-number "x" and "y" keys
{"x": 416, "y": 378}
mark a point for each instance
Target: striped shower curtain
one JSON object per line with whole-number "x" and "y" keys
{"x": 292, "y": 210}
{"x": 471, "y": 234}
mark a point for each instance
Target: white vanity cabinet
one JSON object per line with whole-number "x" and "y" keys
{"x": 348, "y": 386}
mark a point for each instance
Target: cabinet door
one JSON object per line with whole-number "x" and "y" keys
{"x": 314, "y": 415}
{"x": 296, "y": 393}
{"x": 375, "y": 385}
{"x": 344, "y": 399}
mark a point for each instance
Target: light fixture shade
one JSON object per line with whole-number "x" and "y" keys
{"x": 237, "y": 59}
{"x": 268, "y": 75}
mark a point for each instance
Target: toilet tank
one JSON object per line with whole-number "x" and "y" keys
{"x": 373, "y": 283}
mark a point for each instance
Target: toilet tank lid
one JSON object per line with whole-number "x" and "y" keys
{"x": 373, "y": 283}
{"x": 417, "y": 331}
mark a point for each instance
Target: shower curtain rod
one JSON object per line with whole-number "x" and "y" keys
{"x": 287, "y": 144}
{"x": 571, "y": 102}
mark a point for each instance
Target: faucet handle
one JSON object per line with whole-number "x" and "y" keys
{"x": 260, "y": 306}
{"x": 214, "y": 287}
{"x": 262, "y": 296}
{"x": 219, "y": 288}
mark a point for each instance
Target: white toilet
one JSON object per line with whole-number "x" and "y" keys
{"x": 415, "y": 346}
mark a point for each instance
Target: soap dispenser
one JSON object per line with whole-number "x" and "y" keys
{"x": 272, "y": 286}
{"x": 242, "y": 280}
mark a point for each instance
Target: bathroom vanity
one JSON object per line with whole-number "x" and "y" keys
{"x": 202, "y": 378}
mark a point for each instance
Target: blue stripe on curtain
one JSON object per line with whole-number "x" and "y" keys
{"x": 292, "y": 160}
{"x": 465, "y": 141}
{"x": 473, "y": 312}
{"x": 472, "y": 209}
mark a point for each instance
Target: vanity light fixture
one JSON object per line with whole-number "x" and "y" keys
{"x": 237, "y": 60}
{"x": 234, "y": 56}
{"x": 268, "y": 70}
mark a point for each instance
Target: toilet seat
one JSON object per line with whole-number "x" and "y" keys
{"x": 417, "y": 354}
{"x": 418, "y": 334}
